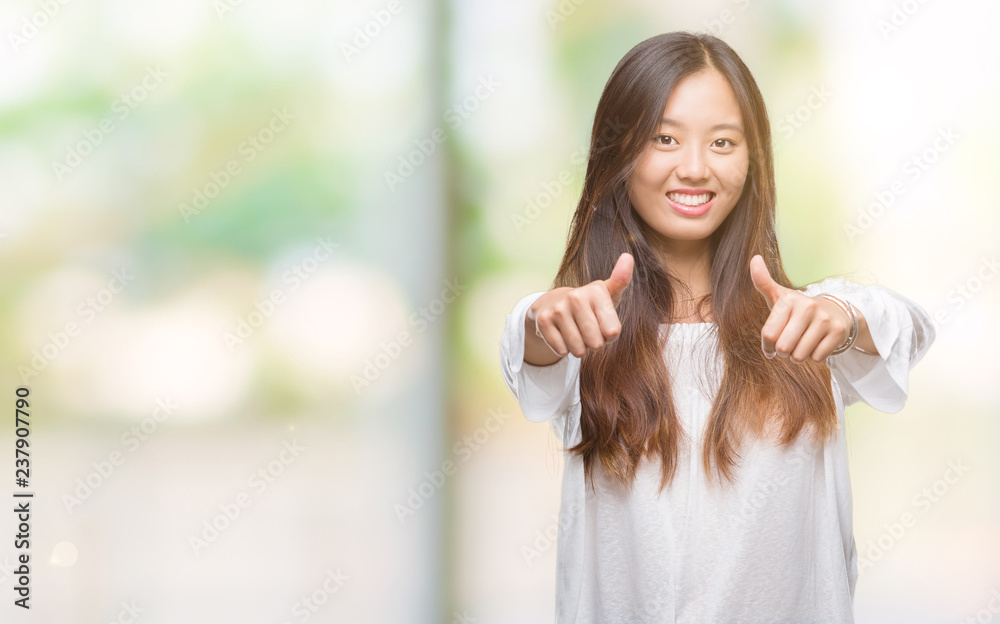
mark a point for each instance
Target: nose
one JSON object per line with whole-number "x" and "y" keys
{"x": 692, "y": 164}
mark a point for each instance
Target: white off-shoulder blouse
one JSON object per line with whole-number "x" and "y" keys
{"x": 776, "y": 547}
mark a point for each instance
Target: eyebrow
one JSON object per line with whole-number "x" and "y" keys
{"x": 722, "y": 126}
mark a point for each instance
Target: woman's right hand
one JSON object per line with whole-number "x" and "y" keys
{"x": 572, "y": 320}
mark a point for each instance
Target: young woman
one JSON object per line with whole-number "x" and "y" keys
{"x": 705, "y": 480}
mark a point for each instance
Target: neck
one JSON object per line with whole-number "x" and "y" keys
{"x": 690, "y": 263}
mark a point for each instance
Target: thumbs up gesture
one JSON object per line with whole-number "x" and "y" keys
{"x": 799, "y": 326}
{"x": 573, "y": 320}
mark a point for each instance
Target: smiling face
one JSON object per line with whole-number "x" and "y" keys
{"x": 693, "y": 170}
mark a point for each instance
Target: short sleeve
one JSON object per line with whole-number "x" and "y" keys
{"x": 902, "y": 331}
{"x": 541, "y": 391}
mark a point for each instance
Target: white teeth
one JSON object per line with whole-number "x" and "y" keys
{"x": 689, "y": 200}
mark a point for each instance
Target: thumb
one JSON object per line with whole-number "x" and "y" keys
{"x": 763, "y": 282}
{"x": 620, "y": 277}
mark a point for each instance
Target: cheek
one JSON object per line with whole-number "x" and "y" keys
{"x": 735, "y": 177}
{"x": 645, "y": 174}
{"x": 643, "y": 191}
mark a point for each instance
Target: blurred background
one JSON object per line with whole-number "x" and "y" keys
{"x": 257, "y": 256}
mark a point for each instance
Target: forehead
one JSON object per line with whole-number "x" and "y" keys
{"x": 703, "y": 101}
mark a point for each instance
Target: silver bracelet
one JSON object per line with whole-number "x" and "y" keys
{"x": 848, "y": 307}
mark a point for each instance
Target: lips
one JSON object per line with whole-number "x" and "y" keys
{"x": 706, "y": 199}
{"x": 690, "y": 198}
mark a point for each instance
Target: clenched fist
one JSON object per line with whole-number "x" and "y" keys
{"x": 572, "y": 320}
{"x": 799, "y": 326}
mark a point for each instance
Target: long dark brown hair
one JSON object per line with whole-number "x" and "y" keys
{"x": 627, "y": 409}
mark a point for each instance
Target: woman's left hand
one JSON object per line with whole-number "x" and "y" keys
{"x": 799, "y": 326}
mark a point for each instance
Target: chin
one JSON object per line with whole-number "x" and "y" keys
{"x": 685, "y": 235}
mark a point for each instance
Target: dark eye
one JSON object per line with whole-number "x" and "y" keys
{"x": 663, "y": 136}
{"x": 731, "y": 143}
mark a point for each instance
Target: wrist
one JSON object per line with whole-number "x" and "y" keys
{"x": 852, "y": 316}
